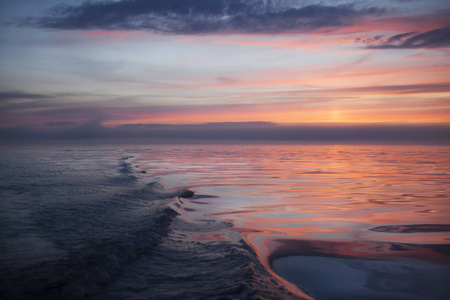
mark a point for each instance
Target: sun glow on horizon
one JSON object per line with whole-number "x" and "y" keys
{"x": 359, "y": 65}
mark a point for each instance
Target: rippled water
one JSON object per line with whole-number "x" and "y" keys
{"x": 267, "y": 222}
{"x": 322, "y": 216}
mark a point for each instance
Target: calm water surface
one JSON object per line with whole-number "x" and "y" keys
{"x": 371, "y": 222}
{"x": 267, "y": 222}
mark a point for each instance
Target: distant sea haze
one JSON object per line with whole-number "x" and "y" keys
{"x": 269, "y": 221}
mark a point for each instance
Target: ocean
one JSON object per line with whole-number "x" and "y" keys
{"x": 266, "y": 222}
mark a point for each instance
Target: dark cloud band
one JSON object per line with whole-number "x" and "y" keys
{"x": 200, "y": 16}
{"x": 216, "y": 132}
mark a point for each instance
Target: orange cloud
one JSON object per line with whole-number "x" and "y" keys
{"x": 362, "y": 110}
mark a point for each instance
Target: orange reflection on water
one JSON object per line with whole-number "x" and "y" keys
{"x": 367, "y": 202}
{"x": 332, "y": 192}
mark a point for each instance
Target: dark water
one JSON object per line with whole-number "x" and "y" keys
{"x": 80, "y": 224}
{"x": 267, "y": 222}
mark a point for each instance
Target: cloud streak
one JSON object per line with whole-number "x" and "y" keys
{"x": 59, "y": 124}
{"x": 6, "y": 96}
{"x": 201, "y": 16}
{"x": 438, "y": 38}
{"x": 413, "y": 103}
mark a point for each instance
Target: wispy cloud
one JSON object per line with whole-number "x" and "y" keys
{"x": 438, "y": 38}
{"x": 59, "y": 124}
{"x": 201, "y": 16}
{"x": 399, "y": 89}
{"x": 209, "y": 125}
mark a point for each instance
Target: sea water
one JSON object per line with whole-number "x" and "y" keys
{"x": 266, "y": 222}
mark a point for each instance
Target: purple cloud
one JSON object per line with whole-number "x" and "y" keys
{"x": 200, "y": 16}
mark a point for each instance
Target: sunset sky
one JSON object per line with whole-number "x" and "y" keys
{"x": 237, "y": 68}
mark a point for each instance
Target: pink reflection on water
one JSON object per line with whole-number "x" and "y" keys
{"x": 319, "y": 200}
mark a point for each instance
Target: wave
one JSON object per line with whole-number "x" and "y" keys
{"x": 195, "y": 262}
{"x": 91, "y": 234}
{"x": 99, "y": 263}
{"x": 76, "y": 233}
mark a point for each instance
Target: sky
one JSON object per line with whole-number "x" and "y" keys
{"x": 279, "y": 70}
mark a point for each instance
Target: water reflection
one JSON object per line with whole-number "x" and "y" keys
{"x": 376, "y": 213}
